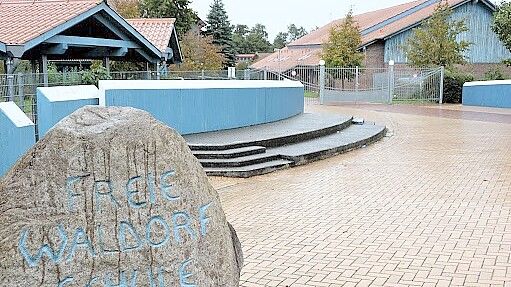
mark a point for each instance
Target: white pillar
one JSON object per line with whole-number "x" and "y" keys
{"x": 442, "y": 74}
{"x": 322, "y": 74}
{"x": 391, "y": 81}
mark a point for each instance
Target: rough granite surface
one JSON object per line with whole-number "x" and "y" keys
{"x": 112, "y": 197}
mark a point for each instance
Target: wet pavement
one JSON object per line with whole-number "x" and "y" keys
{"x": 429, "y": 205}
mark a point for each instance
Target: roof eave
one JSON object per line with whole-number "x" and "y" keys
{"x": 489, "y": 4}
{"x": 179, "y": 58}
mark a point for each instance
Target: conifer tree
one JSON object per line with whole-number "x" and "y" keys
{"x": 219, "y": 28}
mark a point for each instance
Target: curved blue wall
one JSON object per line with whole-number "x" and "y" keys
{"x": 487, "y": 94}
{"x": 202, "y": 106}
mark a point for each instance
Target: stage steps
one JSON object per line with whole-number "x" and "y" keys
{"x": 239, "y": 153}
{"x": 296, "y": 129}
{"x": 249, "y": 170}
{"x": 229, "y": 153}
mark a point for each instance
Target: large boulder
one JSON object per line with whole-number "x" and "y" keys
{"x": 112, "y": 197}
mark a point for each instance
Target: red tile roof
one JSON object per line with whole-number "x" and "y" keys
{"x": 23, "y": 20}
{"x": 311, "y": 44}
{"x": 157, "y": 31}
{"x": 289, "y": 58}
{"x": 364, "y": 21}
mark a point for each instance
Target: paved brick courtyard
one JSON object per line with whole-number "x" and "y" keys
{"x": 429, "y": 205}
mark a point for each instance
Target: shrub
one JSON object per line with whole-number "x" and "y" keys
{"x": 453, "y": 86}
{"x": 97, "y": 72}
{"x": 494, "y": 74}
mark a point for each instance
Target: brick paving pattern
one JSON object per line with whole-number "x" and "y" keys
{"x": 429, "y": 205}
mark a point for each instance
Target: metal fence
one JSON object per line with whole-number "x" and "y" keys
{"x": 322, "y": 85}
{"x": 307, "y": 75}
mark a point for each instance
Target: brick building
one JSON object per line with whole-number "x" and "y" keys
{"x": 385, "y": 31}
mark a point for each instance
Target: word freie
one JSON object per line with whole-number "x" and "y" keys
{"x": 104, "y": 191}
{"x": 157, "y": 231}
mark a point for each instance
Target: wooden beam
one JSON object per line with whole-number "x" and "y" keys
{"x": 146, "y": 56}
{"x": 101, "y": 52}
{"x": 91, "y": 42}
{"x": 120, "y": 52}
{"x": 58, "y": 49}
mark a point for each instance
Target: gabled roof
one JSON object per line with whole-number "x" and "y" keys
{"x": 24, "y": 20}
{"x": 162, "y": 33}
{"x": 25, "y": 24}
{"x": 374, "y": 26}
{"x": 157, "y": 30}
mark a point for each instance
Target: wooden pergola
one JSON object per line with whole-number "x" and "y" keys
{"x": 43, "y": 30}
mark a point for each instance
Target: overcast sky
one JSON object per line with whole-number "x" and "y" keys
{"x": 276, "y": 15}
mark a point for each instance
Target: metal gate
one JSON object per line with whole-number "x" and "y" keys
{"x": 369, "y": 85}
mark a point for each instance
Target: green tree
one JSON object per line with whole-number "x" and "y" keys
{"x": 247, "y": 41}
{"x": 219, "y": 28}
{"x": 200, "y": 53}
{"x": 341, "y": 50}
{"x": 257, "y": 39}
{"x": 502, "y": 25}
{"x": 295, "y": 32}
{"x": 280, "y": 40}
{"x": 239, "y": 39}
{"x": 128, "y": 9}
{"x": 185, "y": 16}
{"x": 434, "y": 42}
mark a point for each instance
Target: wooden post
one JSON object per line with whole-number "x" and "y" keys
{"x": 10, "y": 78}
{"x": 106, "y": 63}
{"x": 44, "y": 64}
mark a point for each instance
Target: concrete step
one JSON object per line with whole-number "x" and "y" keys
{"x": 249, "y": 170}
{"x": 229, "y": 153}
{"x": 292, "y": 130}
{"x": 354, "y": 137}
{"x": 239, "y": 161}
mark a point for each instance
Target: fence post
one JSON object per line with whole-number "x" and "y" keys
{"x": 246, "y": 74}
{"x": 202, "y": 74}
{"x": 265, "y": 73}
{"x": 321, "y": 81}
{"x": 442, "y": 74}
{"x": 356, "y": 79}
{"x": 391, "y": 81}
{"x": 158, "y": 67}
